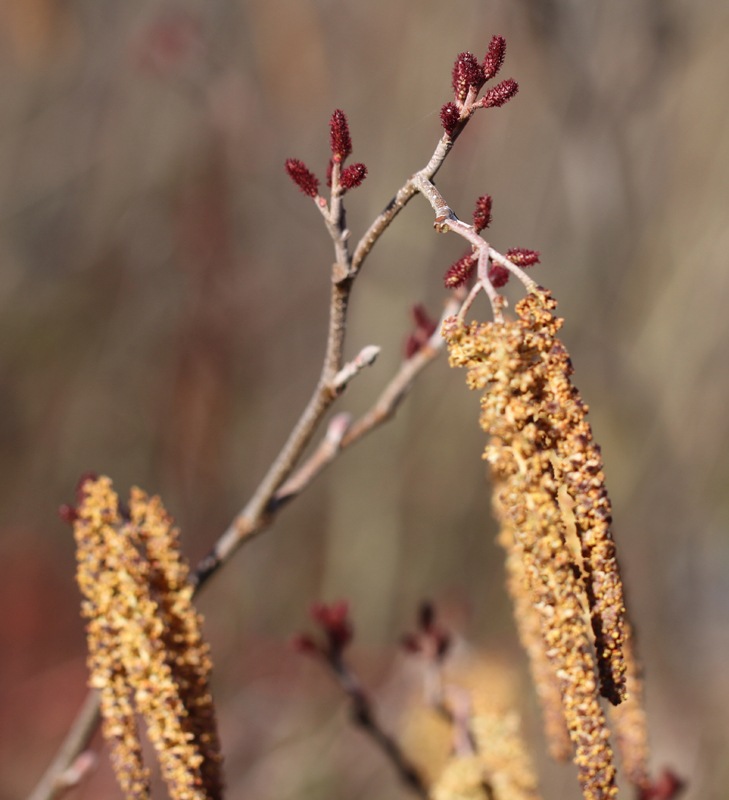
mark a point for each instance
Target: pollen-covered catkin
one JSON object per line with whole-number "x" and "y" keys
{"x": 535, "y": 419}
{"x": 145, "y": 644}
{"x": 629, "y": 722}
{"x": 107, "y": 570}
{"x": 186, "y": 652}
{"x": 579, "y": 467}
{"x": 495, "y": 764}
{"x": 529, "y": 629}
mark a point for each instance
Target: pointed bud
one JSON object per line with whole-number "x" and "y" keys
{"x": 330, "y": 167}
{"x": 495, "y": 57}
{"x": 467, "y": 73}
{"x": 482, "y": 214}
{"x": 334, "y": 620}
{"x": 351, "y": 177}
{"x": 340, "y": 139}
{"x": 500, "y": 94}
{"x": 303, "y": 643}
{"x": 302, "y": 176}
{"x": 522, "y": 257}
{"x": 459, "y": 272}
{"x": 498, "y": 275}
{"x": 67, "y": 513}
{"x": 412, "y": 345}
{"x": 423, "y": 321}
{"x": 450, "y": 117}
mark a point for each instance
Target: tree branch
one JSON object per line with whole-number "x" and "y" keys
{"x": 256, "y": 516}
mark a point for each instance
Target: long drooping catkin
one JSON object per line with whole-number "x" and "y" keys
{"x": 530, "y": 635}
{"x": 535, "y": 419}
{"x": 109, "y": 570}
{"x": 579, "y": 466}
{"x": 186, "y": 652}
{"x": 145, "y": 644}
{"x": 629, "y": 721}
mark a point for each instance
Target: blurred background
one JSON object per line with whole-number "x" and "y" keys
{"x": 163, "y": 301}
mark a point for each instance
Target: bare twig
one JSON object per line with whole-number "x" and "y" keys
{"x": 78, "y": 737}
{"x": 364, "y": 716}
{"x": 338, "y": 632}
{"x": 365, "y": 358}
{"x": 81, "y": 768}
{"x": 445, "y": 221}
{"x": 340, "y": 435}
{"x": 325, "y": 453}
{"x": 256, "y": 516}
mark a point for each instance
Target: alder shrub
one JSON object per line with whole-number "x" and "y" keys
{"x": 147, "y": 659}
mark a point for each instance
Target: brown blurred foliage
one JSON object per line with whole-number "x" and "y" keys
{"x": 163, "y": 295}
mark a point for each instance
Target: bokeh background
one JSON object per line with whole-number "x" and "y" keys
{"x": 163, "y": 298}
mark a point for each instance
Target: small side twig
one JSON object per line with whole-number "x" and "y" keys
{"x": 337, "y": 628}
{"x": 365, "y": 358}
{"x": 81, "y": 768}
{"x": 432, "y": 643}
{"x": 340, "y": 435}
{"x": 83, "y": 728}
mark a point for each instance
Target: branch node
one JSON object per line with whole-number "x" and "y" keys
{"x": 365, "y": 358}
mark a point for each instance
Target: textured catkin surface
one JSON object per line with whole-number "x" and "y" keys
{"x": 146, "y": 654}
{"x": 536, "y": 420}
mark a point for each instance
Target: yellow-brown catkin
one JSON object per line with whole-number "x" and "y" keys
{"x": 496, "y": 730}
{"x": 507, "y": 767}
{"x": 521, "y": 411}
{"x": 629, "y": 722}
{"x": 529, "y": 629}
{"x": 499, "y": 766}
{"x": 462, "y": 779}
{"x": 187, "y": 653}
{"x": 144, "y": 643}
{"x": 578, "y": 465}
{"x": 106, "y": 568}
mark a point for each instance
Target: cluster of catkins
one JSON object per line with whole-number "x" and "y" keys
{"x": 548, "y": 479}
{"x": 146, "y": 653}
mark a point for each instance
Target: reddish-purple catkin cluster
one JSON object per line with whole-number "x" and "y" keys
{"x": 339, "y": 137}
{"x": 341, "y": 144}
{"x": 469, "y": 77}
{"x": 482, "y": 213}
{"x": 460, "y": 271}
{"x": 302, "y": 176}
{"x": 467, "y": 74}
{"x": 425, "y": 327}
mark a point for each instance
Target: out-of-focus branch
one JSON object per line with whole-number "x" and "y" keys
{"x": 345, "y": 269}
{"x": 399, "y": 386}
{"x": 365, "y": 358}
{"x": 340, "y": 435}
{"x": 55, "y": 781}
{"x": 364, "y": 716}
{"x": 338, "y": 632}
